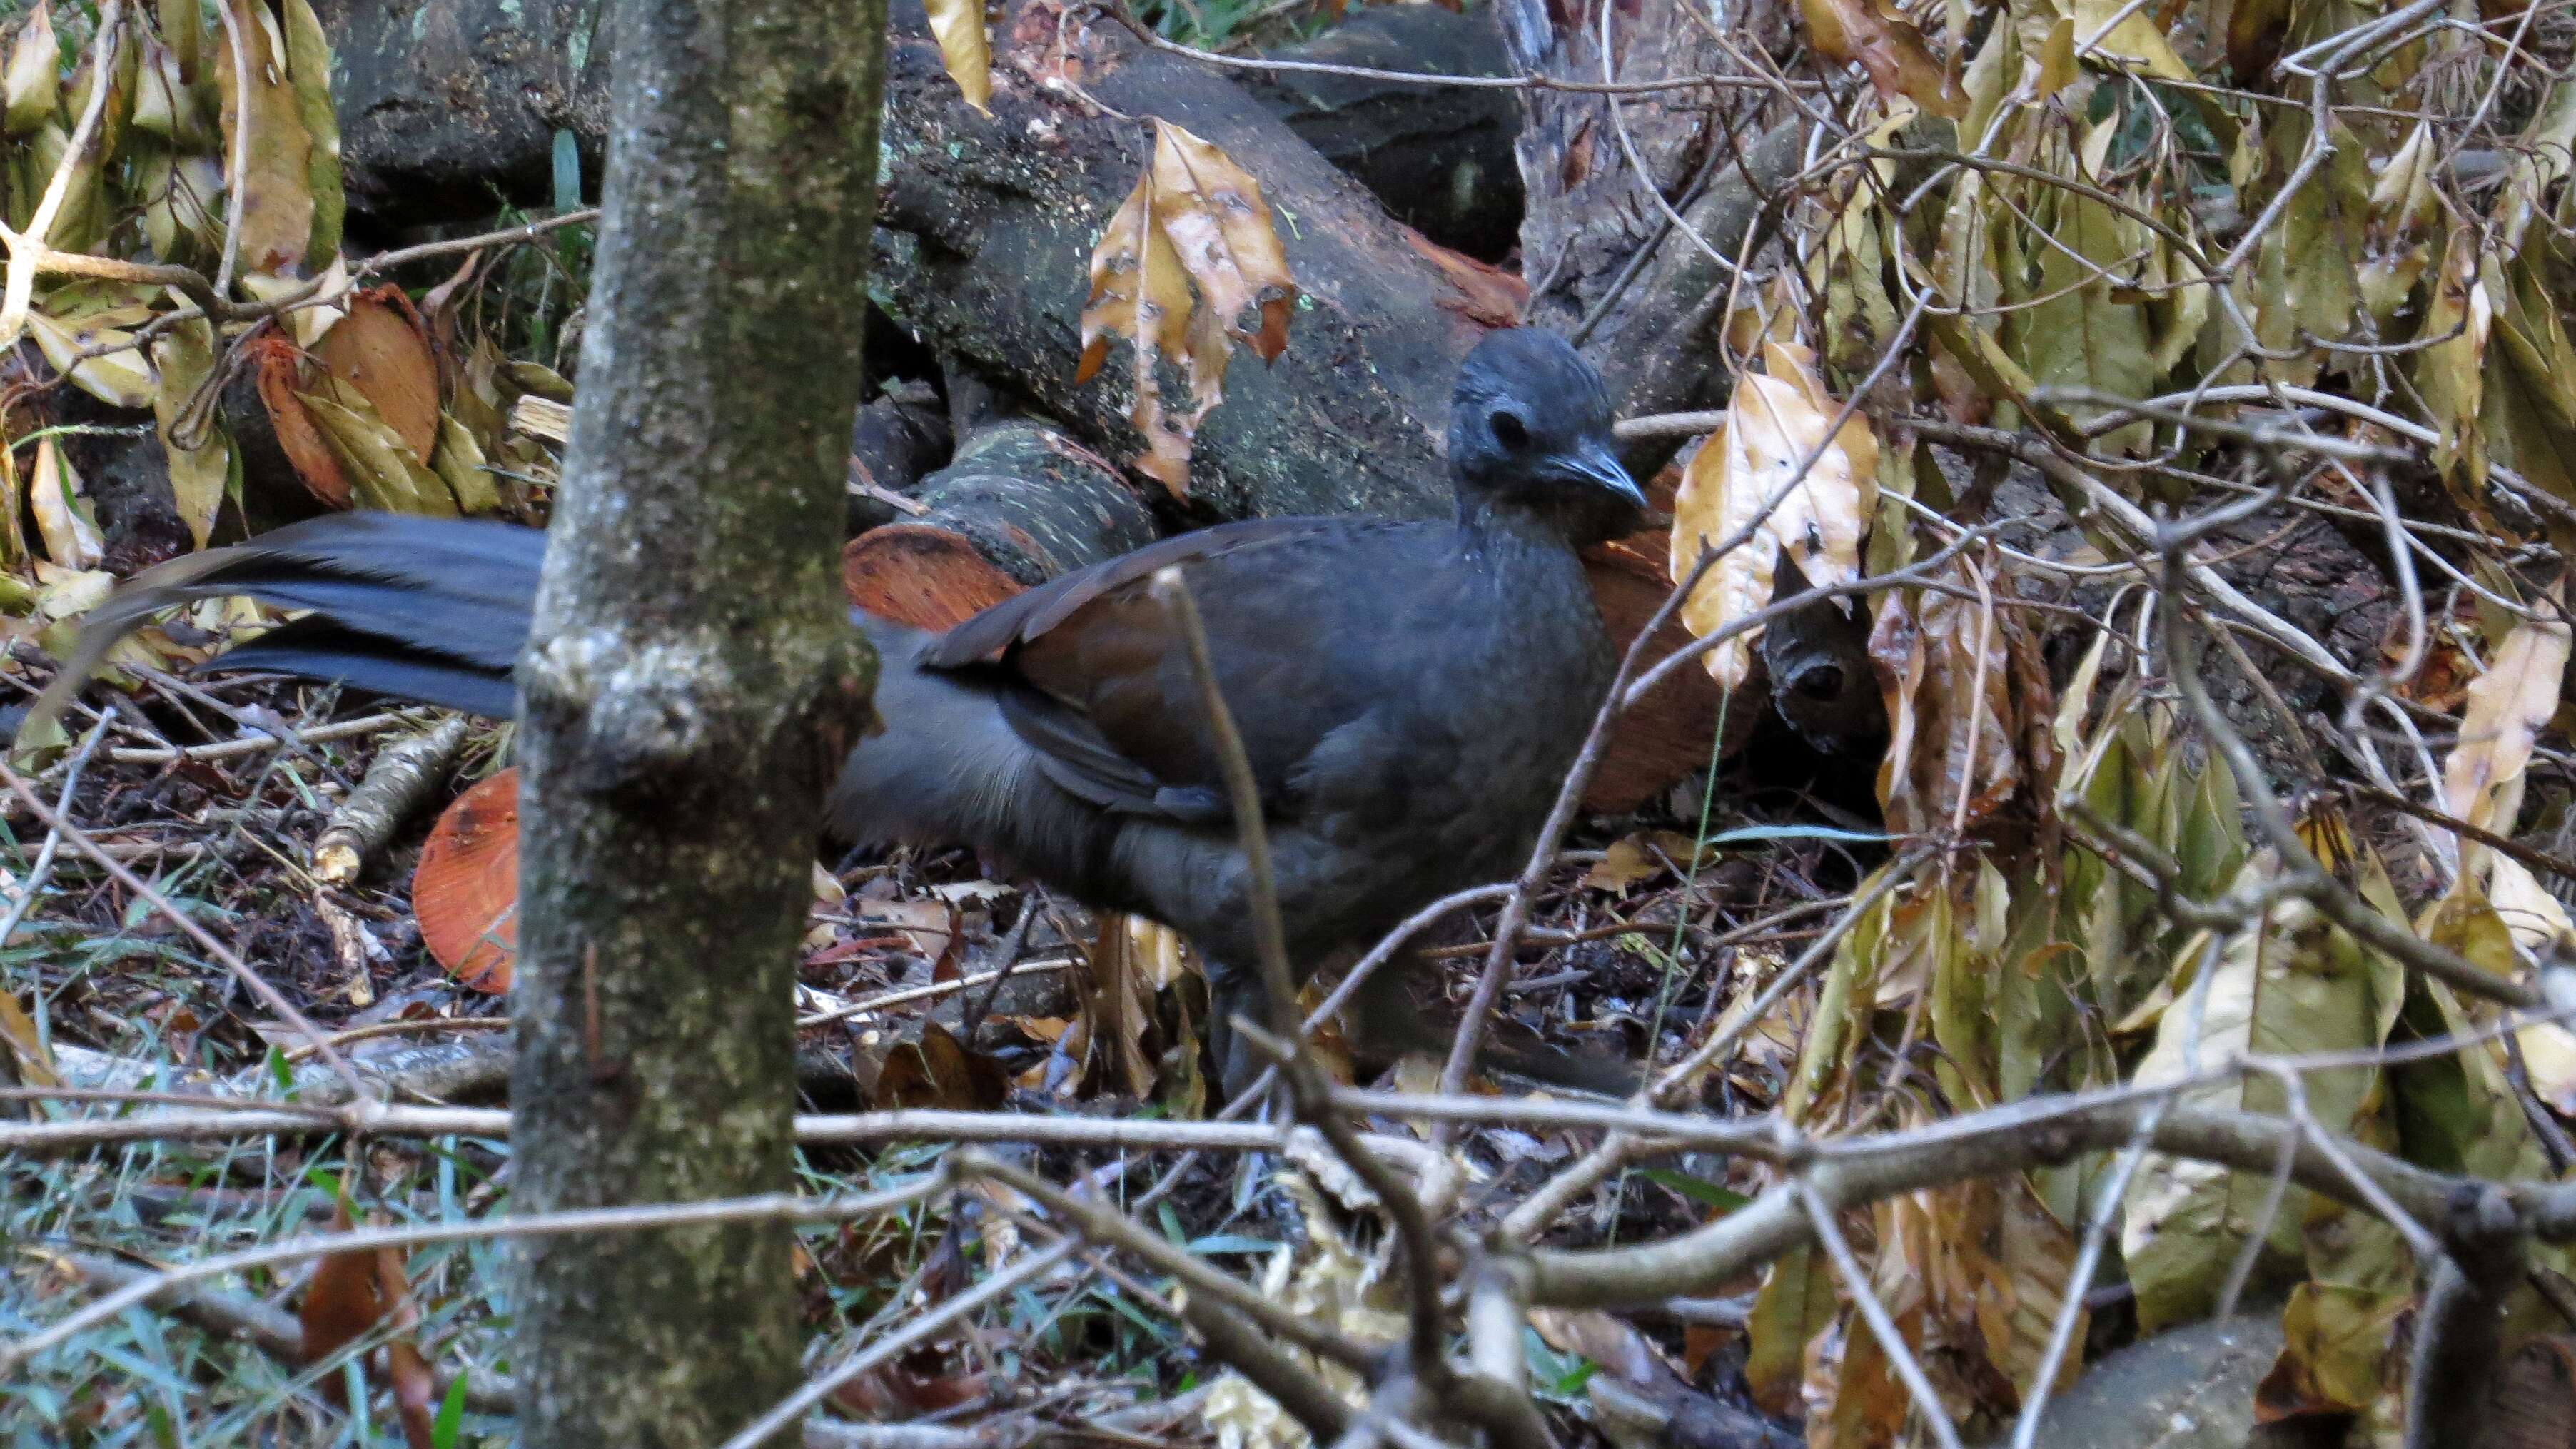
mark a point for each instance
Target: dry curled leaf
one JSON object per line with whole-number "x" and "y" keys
{"x": 1187, "y": 253}
{"x": 379, "y": 350}
{"x": 1776, "y": 420}
{"x": 1886, "y": 45}
{"x": 1944, "y": 666}
{"x": 963, "y": 48}
{"x": 2507, "y": 707}
{"x": 277, "y": 367}
{"x": 936, "y": 1070}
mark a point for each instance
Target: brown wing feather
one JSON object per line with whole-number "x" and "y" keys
{"x": 1079, "y": 665}
{"x": 990, "y": 635}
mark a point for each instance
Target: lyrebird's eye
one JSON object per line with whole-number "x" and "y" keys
{"x": 1509, "y": 430}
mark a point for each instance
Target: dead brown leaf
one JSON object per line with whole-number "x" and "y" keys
{"x": 935, "y": 1070}
{"x": 1187, "y": 253}
{"x": 1776, "y": 420}
{"x": 379, "y": 350}
{"x": 1944, "y": 665}
{"x": 1486, "y": 293}
{"x": 1129, "y": 962}
{"x": 279, "y": 368}
{"x": 1879, "y": 37}
{"x": 964, "y": 50}
{"x": 928, "y": 927}
{"x": 342, "y": 1304}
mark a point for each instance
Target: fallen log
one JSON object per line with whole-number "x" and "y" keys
{"x": 1439, "y": 157}
{"x": 1021, "y": 504}
{"x": 989, "y": 221}
{"x": 894, "y": 441}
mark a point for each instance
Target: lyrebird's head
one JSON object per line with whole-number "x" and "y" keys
{"x": 1529, "y": 427}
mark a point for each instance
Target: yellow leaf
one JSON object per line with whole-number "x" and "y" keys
{"x": 2137, "y": 40}
{"x": 2507, "y": 707}
{"x": 2056, "y": 59}
{"x": 62, "y": 514}
{"x": 34, "y": 77}
{"x": 2334, "y": 1356}
{"x": 461, "y": 466}
{"x": 380, "y": 469}
{"x": 1220, "y": 226}
{"x": 1775, "y": 421}
{"x": 13, "y": 537}
{"x": 1885, "y": 44}
{"x": 277, "y": 185}
{"x": 18, "y": 1037}
{"x": 1138, "y": 291}
{"x": 185, "y": 358}
{"x": 2466, "y": 923}
{"x": 117, "y": 375}
{"x": 959, "y": 25}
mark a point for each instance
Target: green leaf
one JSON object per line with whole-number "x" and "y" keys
{"x": 450, "y": 1419}
{"x": 33, "y": 81}
{"x": 308, "y": 67}
{"x": 1698, "y": 1189}
{"x": 2079, "y": 335}
{"x": 185, "y": 358}
{"x": 1795, "y": 1303}
{"x": 2297, "y": 985}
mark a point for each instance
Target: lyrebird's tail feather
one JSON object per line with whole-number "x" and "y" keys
{"x": 434, "y": 610}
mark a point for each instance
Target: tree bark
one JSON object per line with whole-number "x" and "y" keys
{"x": 688, "y": 690}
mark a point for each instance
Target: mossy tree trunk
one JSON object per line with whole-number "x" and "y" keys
{"x": 690, "y": 687}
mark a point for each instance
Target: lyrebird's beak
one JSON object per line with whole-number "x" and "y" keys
{"x": 1593, "y": 462}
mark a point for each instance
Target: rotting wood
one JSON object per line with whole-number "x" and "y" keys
{"x": 397, "y": 783}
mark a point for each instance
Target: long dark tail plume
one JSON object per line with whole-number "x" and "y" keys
{"x": 434, "y": 610}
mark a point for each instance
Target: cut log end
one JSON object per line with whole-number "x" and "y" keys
{"x": 922, "y": 575}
